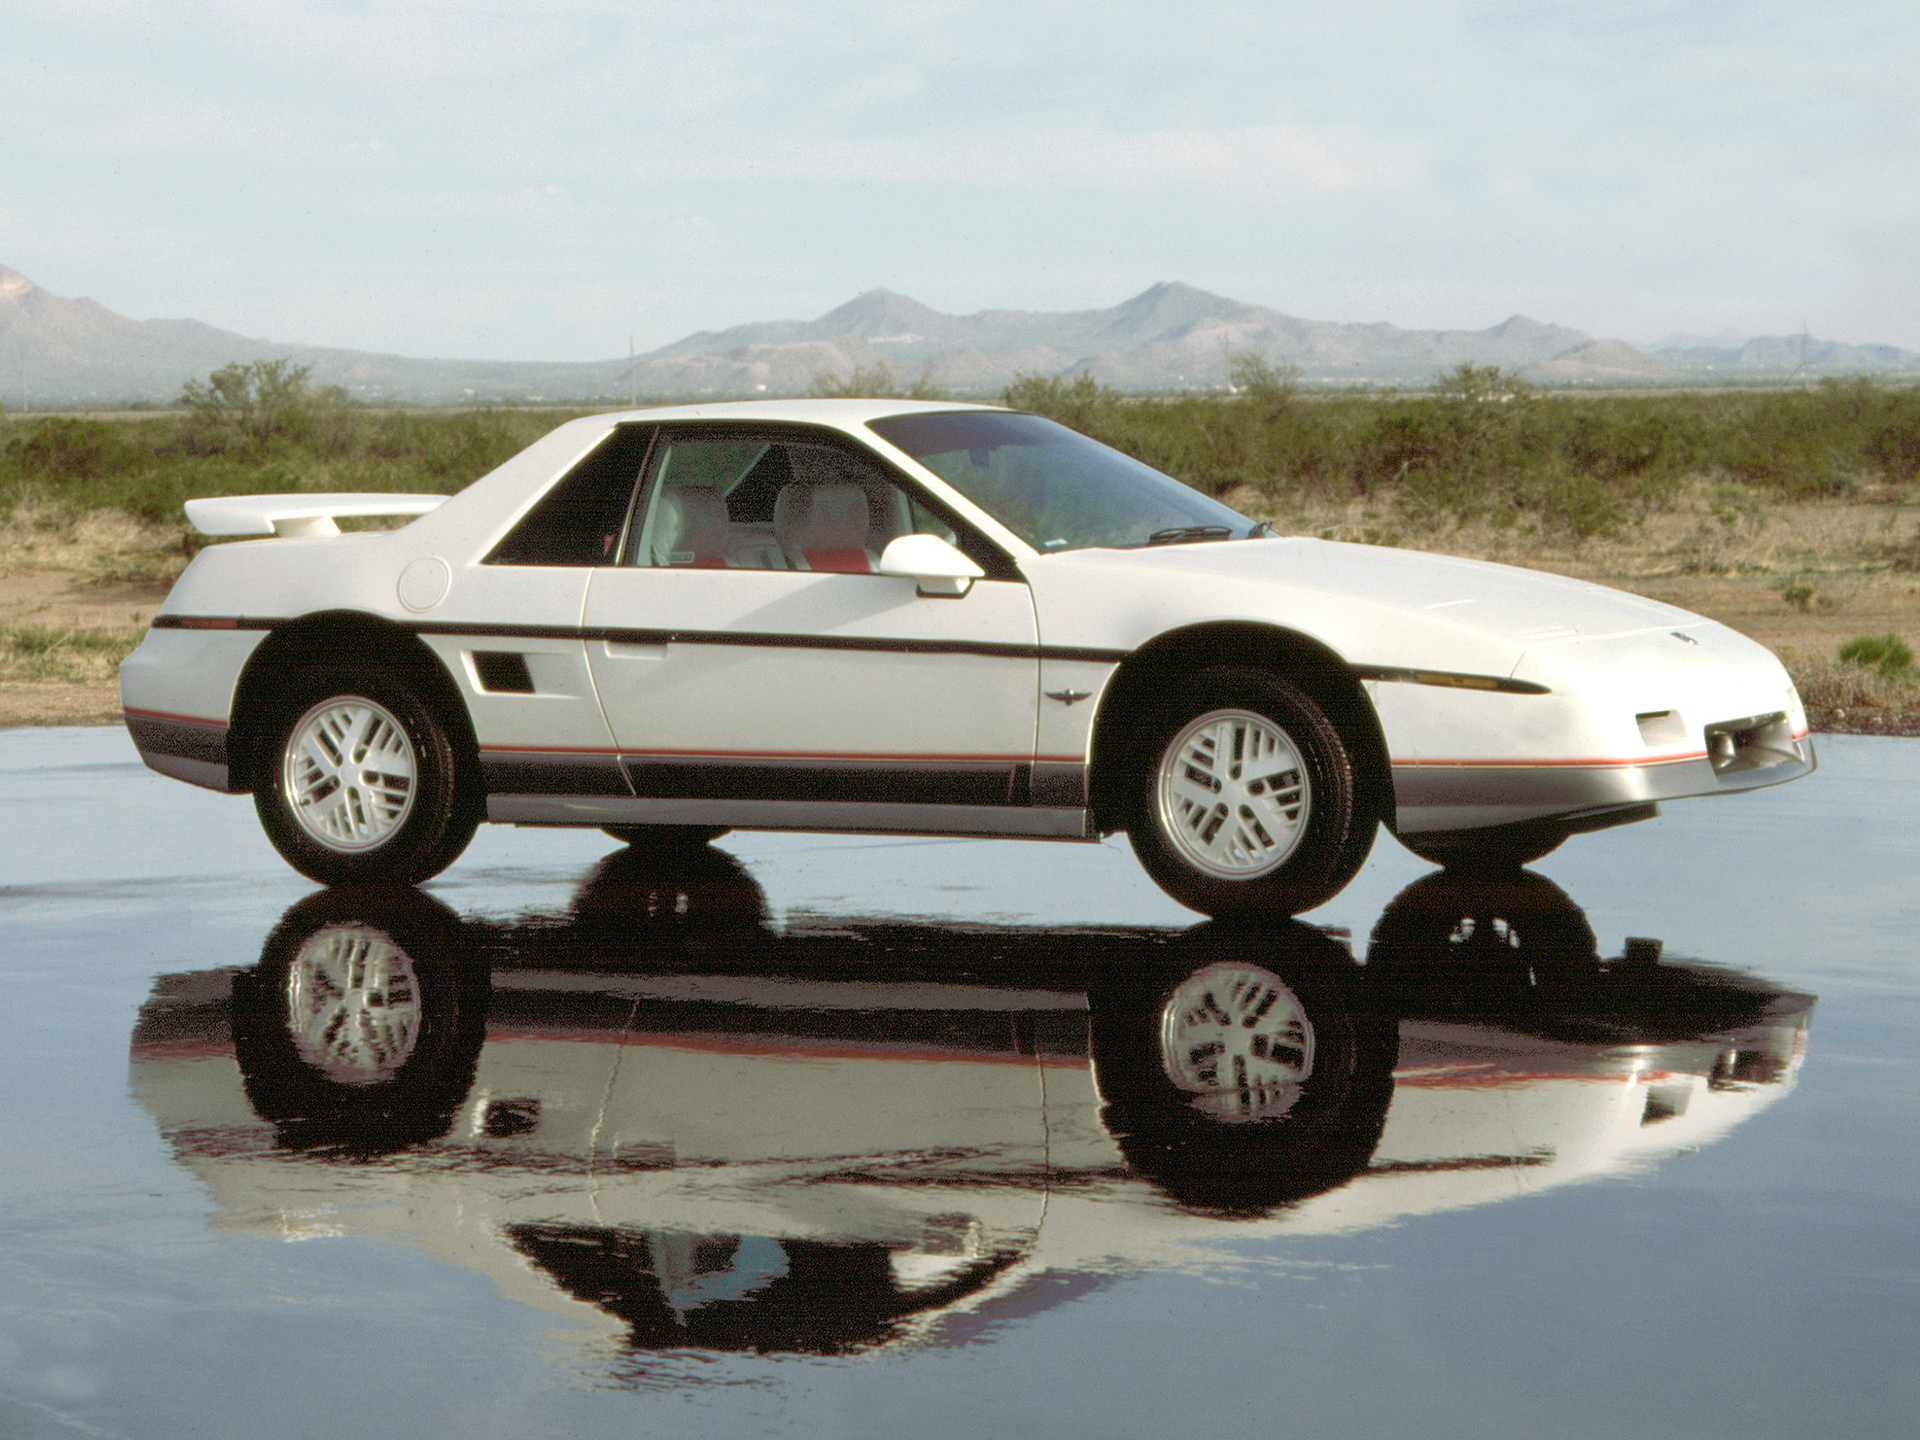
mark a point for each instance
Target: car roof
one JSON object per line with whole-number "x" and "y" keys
{"x": 839, "y": 413}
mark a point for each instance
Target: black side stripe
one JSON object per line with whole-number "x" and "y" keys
{"x": 1389, "y": 674}
{"x": 743, "y": 638}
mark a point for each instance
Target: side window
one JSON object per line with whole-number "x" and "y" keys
{"x": 768, "y": 502}
{"x": 578, "y": 521}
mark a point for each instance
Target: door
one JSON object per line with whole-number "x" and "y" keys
{"x": 745, "y": 651}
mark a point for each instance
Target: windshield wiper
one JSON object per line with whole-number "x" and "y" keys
{"x": 1187, "y": 534}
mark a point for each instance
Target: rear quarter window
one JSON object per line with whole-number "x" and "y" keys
{"x": 580, "y": 520}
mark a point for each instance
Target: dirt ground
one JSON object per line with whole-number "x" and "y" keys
{"x": 66, "y": 600}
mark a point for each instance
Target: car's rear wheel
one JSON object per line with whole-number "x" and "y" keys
{"x": 360, "y": 1027}
{"x": 362, "y": 780}
{"x": 1245, "y": 800}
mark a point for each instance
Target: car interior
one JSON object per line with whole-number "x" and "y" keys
{"x": 716, "y": 504}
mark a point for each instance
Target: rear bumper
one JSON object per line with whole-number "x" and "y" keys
{"x": 184, "y": 748}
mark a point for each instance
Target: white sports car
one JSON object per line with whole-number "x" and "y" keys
{"x": 939, "y": 619}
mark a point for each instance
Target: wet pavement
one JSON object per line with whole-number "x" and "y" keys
{"x": 842, "y": 1136}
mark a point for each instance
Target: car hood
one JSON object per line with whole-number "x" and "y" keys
{"x": 1372, "y": 604}
{"x": 1525, "y": 606}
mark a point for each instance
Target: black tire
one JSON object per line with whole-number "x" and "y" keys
{"x": 666, "y": 837}
{"x": 1249, "y": 1069}
{"x": 638, "y": 898}
{"x": 403, "y": 803}
{"x": 1462, "y": 945}
{"x": 360, "y": 1028}
{"x": 1483, "y": 853}
{"x": 1456, "y": 919}
{"x": 1277, "y": 849}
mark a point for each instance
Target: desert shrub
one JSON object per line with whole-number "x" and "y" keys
{"x": 1266, "y": 386}
{"x": 58, "y": 450}
{"x": 410, "y": 450}
{"x": 1894, "y": 444}
{"x": 1827, "y": 685}
{"x": 1792, "y": 442}
{"x": 1481, "y": 445}
{"x": 258, "y": 403}
{"x": 1081, "y": 403}
{"x": 1404, "y": 440}
{"x": 876, "y": 381}
{"x": 1571, "y": 503}
{"x": 1886, "y": 655}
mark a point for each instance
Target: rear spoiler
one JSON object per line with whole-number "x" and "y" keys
{"x": 297, "y": 514}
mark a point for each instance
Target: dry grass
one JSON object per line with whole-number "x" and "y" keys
{"x": 1712, "y": 529}
{"x": 1802, "y": 578}
{"x": 71, "y": 656}
{"x": 74, "y": 595}
{"x": 1846, "y": 697}
{"x": 102, "y": 547}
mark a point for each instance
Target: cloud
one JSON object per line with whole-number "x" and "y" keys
{"x": 1439, "y": 163}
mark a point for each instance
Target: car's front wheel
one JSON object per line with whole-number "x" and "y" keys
{"x": 1245, "y": 801}
{"x": 362, "y": 781}
{"x": 1491, "y": 852}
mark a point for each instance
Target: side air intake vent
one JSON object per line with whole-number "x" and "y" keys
{"x": 501, "y": 670}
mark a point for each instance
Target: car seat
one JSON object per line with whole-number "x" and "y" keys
{"x": 823, "y": 527}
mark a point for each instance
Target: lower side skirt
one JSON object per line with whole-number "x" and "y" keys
{"x": 886, "y": 818}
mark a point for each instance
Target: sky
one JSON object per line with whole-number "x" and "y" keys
{"x": 556, "y": 181}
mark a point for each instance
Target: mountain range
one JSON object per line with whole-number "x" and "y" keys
{"x": 57, "y": 352}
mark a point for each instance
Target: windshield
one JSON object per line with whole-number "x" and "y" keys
{"x": 1054, "y": 488}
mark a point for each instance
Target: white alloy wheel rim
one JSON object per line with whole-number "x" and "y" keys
{"x": 353, "y": 1005}
{"x": 1233, "y": 794}
{"x": 348, "y": 774}
{"x": 1237, "y": 1040}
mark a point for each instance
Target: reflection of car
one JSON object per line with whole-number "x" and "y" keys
{"x": 723, "y": 1134}
{"x": 883, "y": 616}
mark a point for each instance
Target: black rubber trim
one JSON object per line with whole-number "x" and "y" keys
{"x": 1446, "y": 679}
{"x": 1060, "y": 784}
{"x": 743, "y": 638}
{"x": 1450, "y": 680}
{"x": 214, "y": 622}
{"x": 753, "y": 639}
{"x": 558, "y": 772}
{"x": 829, "y": 780}
{"x": 201, "y": 740}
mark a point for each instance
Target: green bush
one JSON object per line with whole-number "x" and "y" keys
{"x": 258, "y": 403}
{"x": 874, "y": 381}
{"x": 58, "y": 450}
{"x": 1888, "y": 656}
{"x": 1481, "y": 445}
{"x": 1485, "y": 445}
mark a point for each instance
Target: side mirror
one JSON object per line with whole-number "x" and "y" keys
{"x": 939, "y": 568}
